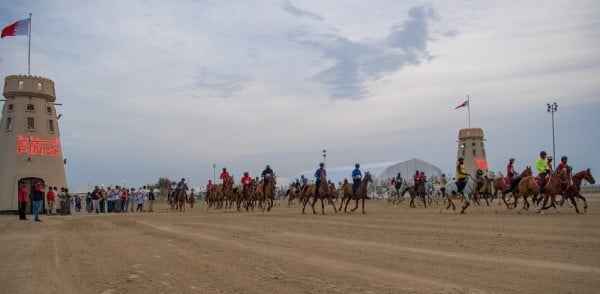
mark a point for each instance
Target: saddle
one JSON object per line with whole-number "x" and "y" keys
{"x": 506, "y": 181}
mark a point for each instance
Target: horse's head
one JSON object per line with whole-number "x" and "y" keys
{"x": 588, "y": 176}
{"x": 526, "y": 172}
{"x": 368, "y": 177}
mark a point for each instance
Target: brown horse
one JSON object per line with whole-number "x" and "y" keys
{"x": 573, "y": 191}
{"x": 529, "y": 187}
{"x": 552, "y": 189}
{"x": 269, "y": 193}
{"x": 181, "y": 198}
{"x": 323, "y": 192}
{"x": 246, "y": 198}
{"x": 361, "y": 193}
{"x": 500, "y": 185}
{"x": 417, "y": 190}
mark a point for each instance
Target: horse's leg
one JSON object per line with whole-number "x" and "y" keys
{"x": 363, "y": 205}
{"x": 342, "y": 202}
{"x": 322, "y": 205}
{"x": 423, "y": 197}
{"x": 450, "y": 203}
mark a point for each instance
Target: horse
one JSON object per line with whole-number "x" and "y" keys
{"x": 181, "y": 198}
{"x": 395, "y": 195}
{"x": 361, "y": 193}
{"x": 573, "y": 191}
{"x": 529, "y": 186}
{"x": 414, "y": 191}
{"x": 310, "y": 191}
{"x": 246, "y": 198}
{"x": 269, "y": 194}
{"x": 502, "y": 184}
{"x": 553, "y": 188}
{"x": 452, "y": 190}
{"x": 293, "y": 193}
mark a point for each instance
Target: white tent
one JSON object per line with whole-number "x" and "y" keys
{"x": 380, "y": 171}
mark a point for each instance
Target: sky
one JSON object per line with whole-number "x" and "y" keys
{"x": 155, "y": 89}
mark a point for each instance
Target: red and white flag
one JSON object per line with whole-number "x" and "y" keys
{"x": 19, "y": 28}
{"x": 464, "y": 104}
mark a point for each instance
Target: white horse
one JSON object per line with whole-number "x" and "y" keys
{"x": 467, "y": 193}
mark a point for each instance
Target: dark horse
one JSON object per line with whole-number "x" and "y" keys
{"x": 361, "y": 192}
{"x": 573, "y": 191}
{"x": 414, "y": 191}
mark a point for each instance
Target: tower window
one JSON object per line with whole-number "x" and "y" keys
{"x": 11, "y": 107}
{"x": 474, "y": 152}
{"x": 30, "y": 107}
{"x": 51, "y": 126}
{"x": 463, "y": 153}
{"x": 49, "y": 109}
{"x": 39, "y": 86}
{"x": 8, "y": 123}
{"x": 30, "y": 124}
{"x": 20, "y": 85}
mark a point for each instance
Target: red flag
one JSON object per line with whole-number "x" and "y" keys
{"x": 464, "y": 104}
{"x": 18, "y": 28}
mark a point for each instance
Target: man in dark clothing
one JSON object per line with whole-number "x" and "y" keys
{"x": 23, "y": 198}
{"x": 38, "y": 198}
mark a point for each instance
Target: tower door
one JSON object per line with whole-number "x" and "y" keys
{"x": 30, "y": 185}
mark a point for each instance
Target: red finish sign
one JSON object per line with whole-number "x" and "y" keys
{"x": 35, "y": 146}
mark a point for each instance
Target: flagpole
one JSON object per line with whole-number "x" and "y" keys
{"x": 469, "y": 109}
{"x": 29, "y": 48}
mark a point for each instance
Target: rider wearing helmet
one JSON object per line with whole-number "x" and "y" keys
{"x": 550, "y": 163}
{"x": 416, "y": 178}
{"x": 542, "y": 167}
{"x": 356, "y": 178}
{"x": 266, "y": 175}
{"x": 246, "y": 179}
{"x": 318, "y": 174}
{"x": 563, "y": 164}
{"x": 510, "y": 169}
{"x": 224, "y": 176}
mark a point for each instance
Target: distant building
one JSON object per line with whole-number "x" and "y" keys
{"x": 30, "y": 148}
{"x": 471, "y": 147}
{"x": 381, "y": 172}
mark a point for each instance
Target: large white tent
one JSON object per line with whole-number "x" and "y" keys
{"x": 380, "y": 171}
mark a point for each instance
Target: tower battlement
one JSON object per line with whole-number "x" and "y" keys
{"x": 31, "y": 86}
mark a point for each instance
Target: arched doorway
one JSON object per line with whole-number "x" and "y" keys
{"x": 30, "y": 184}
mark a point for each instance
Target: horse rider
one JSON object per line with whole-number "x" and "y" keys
{"x": 208, "y": 189}
{"x": 416, "y": 178}
{"x": 266, "y": 175}
{"x": 224, "y": 176}
{"x": 550, "y": 163}
{"x": 246, "y": 179}
{"x": 479, "y": 180}
{"x": 542, "y": 167}
{"x": 461, "y": 176}
{"x": 511, "y": 174}
{"x": 303, "y": 182}
{"x": 318, "y": 173}
{"x": 356, "y": 178}
{"x": 563, "y": 165}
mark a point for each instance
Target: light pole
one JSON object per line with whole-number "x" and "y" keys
{"x": 552, "y": 108}
{"x": 325, "y": 158}
{"x": 214, "y": 173}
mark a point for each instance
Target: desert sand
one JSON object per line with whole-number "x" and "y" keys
{"x": 390, "y": 249}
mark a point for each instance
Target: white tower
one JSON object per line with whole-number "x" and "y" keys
{"x": 472, "y": 149}
{"x": 30, "y": 147}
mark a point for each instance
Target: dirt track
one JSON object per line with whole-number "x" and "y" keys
{"x": 391, "y": 249}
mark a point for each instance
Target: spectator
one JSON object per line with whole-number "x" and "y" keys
{"x": 23, "y": 199}
{"x": 50, "y": 198}
{"x": 38, "y": 198}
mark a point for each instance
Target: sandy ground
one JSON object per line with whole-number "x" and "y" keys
{"x": 391, "y": 249}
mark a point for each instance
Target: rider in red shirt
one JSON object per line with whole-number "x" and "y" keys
{"x": 246, "y": 179}
{"x": 224, "y": 176}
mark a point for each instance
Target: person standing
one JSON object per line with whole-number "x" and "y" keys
{"x": 23, "y": 199}
{"x": 50, "y": 198}
{"x": 38, "y": 198}
{"x": 132, "y": 199}
{"x": 123, "y": 197}
{"x": 151, "y": 199}
{"x": 96, "y": 195}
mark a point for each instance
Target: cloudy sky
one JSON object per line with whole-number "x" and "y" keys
{"x": 168, "y": 88}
